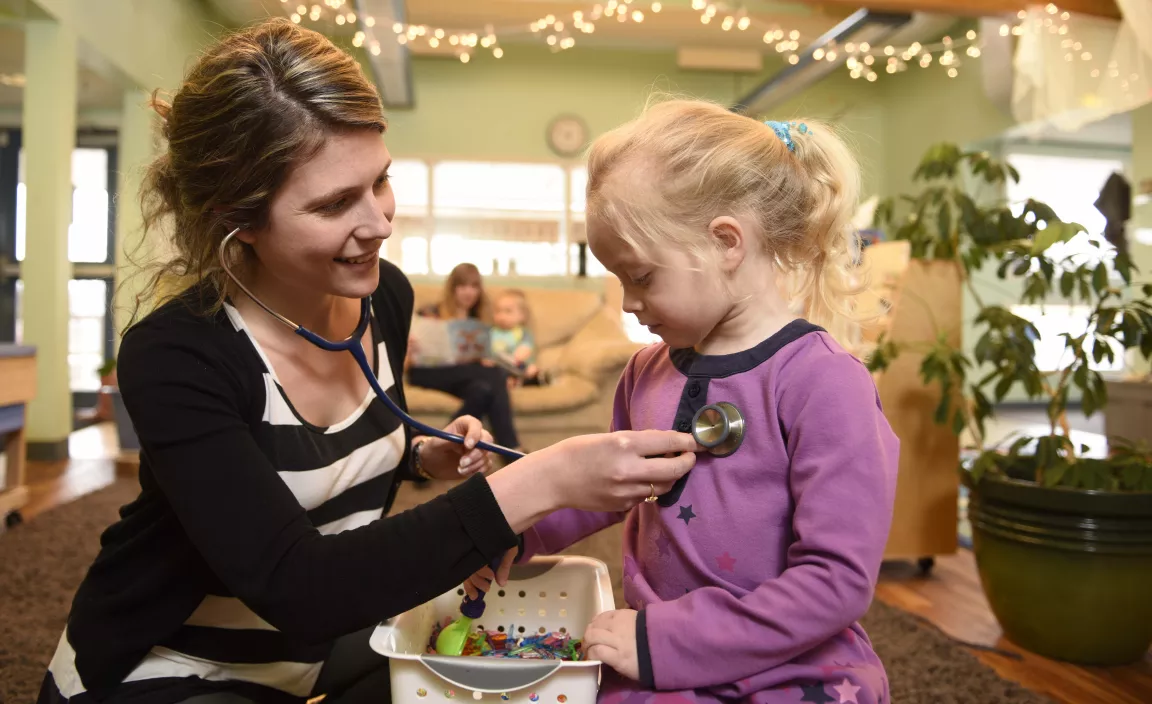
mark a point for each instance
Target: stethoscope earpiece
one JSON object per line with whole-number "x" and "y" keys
{"x": 719, "y": 427}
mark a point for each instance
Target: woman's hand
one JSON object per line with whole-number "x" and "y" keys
{"x": 616, "y": 471}
{"x": 602, "y": 472}
{"x": 481, "y": 579}
{"x": 444, "y": 459}
{"x": 611, "y": 639}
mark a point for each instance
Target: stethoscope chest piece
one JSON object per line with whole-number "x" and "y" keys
{"x": 719, "y": 427}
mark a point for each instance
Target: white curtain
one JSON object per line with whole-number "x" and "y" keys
{"x": 1071, "y": 72}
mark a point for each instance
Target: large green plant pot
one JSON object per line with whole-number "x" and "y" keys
{"x": 1067, "y": 572}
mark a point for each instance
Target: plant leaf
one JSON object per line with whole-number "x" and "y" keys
{"x": 1053, "y": 232}
{"x": 1100, "y": 278}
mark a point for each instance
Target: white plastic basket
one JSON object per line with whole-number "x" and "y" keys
{"x": 545, "y": 594}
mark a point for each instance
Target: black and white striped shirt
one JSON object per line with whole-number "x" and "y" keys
{"x": 257, "y": 537}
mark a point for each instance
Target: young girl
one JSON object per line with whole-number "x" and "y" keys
{"x": 511, "y": 340}
{"x": 745, "y": 580}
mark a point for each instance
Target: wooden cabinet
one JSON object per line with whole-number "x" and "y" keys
{"x": 916, "y": 301}
{"x": 17, "y": 388}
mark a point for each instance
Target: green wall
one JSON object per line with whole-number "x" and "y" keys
{"x": 500, "y": 108}
{"x": 923, "y": 107}
{"x": 149, "y": 43}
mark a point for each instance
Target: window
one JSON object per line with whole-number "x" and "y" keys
{"x": 1054, "y": 320}
{"x": 409, "y": 179}
{"x": 90, "y": 239}
{"x": 507, "y": 218}
{"x": 87, "y": 303}
{"x": 1069, "y": 185}
{"x": 592, "y": 265}
{"x": 579, "y": 188}
{"x": 88, "y": 233}
{"x": 87, "y": 306}
{"x": 414, "y": 254}
{"x": 488, "y": 186}
{"x": 637, "y": 332}
{"x": 503, "y": 257}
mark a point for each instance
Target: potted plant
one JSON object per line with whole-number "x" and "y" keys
{"x": 1062, "y": 540}
{"x": 107, "y": 373}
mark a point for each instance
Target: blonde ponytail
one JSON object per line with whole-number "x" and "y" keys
{"x": 828, "y": 277}
{"x": 800, "y": 184}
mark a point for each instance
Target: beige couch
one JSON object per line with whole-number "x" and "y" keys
{"x": 581, "y": 343}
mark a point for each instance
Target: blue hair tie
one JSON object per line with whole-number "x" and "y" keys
{"x": 783, "y": 130}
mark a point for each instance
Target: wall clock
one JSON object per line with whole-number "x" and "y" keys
{"x": 567, "y": 135}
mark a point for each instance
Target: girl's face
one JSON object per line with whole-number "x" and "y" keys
{"x": 508, "y": 312}
{"x": 467, "y": 294}
{"x": 330, "y": 217}
{"x": 673, "y": 295}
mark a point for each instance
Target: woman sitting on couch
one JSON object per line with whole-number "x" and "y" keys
{"x": 482, "y": 386}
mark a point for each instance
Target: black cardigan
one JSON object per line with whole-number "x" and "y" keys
{"x": 213, "y": 515}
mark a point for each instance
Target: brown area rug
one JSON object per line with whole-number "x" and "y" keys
{"x": 43, "y": 561}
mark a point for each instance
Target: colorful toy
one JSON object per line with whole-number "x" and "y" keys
{"x": 498, "y": 644}
{"x": 453, "y": 638}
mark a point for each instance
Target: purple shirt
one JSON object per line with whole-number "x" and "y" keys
{"x": 750, "y": 574}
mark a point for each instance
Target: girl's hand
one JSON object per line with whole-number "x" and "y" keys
{"x": 481, "y": 579}
{"x": 611, "y": 639}
{"x": 444, "y": 459}
{"x": 523, "y": 352}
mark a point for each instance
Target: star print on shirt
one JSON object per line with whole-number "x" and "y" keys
{"x": 686, "y": 514}
{"x": 816, "y": 694}
{"x": 847, "y": 692}
{"x": 663, "y": 544}
{"x": 726, "y": 562}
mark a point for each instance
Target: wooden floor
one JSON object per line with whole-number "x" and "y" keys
{"x": 950, "y": 597}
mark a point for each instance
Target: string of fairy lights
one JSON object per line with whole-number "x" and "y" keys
{"x": 863, "y": 60}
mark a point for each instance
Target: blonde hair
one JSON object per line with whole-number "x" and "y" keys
{"x": 525, "y": 309}
{"x": 460, "y": 275}
{"x": 705, "y": 161}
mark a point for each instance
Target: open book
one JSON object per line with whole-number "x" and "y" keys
{"x": 441, "y": 343}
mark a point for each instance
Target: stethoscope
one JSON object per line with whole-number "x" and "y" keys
{"x": 718, "y": 427}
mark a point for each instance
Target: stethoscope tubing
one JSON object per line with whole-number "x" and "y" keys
{"x": 353, "y": 345}
{"x": 362, "y": 359}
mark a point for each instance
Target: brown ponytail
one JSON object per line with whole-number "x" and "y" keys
{"x": 254, "y": 105}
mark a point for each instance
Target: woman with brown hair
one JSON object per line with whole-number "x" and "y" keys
{"x": 257, "y": 557}
{"x": 463, "y": 297}
{"x": 481, "y": 386}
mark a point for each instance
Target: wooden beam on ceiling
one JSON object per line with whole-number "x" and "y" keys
{"x": 1106, "y": 9}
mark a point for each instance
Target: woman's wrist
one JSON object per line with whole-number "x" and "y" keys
{"x": 525, "y": 491}
{"x": 418, "y": 445}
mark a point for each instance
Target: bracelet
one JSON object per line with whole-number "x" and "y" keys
{"x": 416, "y": 463}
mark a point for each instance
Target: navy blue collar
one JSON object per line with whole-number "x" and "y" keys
{"x": 690, "y": 363}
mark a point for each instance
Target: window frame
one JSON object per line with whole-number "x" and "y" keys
{"x": 426, "y": 221}
{"x": 10, "y": 145}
